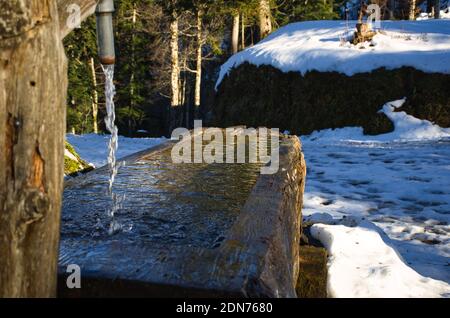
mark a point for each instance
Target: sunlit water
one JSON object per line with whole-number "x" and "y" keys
{"x": 116, "y": 200}
{"x": 167, "y": 203}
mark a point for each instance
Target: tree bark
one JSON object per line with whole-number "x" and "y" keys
{"x": 94, "y": 96}
{"x": 33, "y": 85}
{"x": 235, "y": 34}
{"x": 437, "y": 9}
{"x": 265, "y": 18}
{"x": 391, "y": 8}
{"x": 243, "y": 32}
{"x": 198, "y": 73}
{"x": 412, "y": 10}
{"x": 175, "y": 69}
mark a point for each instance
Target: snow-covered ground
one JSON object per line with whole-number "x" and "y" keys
{"x": 94, "y": 148}
{"x": 382, "y": 207}
{"x": 323, "y": 46}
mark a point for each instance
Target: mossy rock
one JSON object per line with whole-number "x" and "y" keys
{"x": 73, "y": 164}
{"x": 265, "y": 96}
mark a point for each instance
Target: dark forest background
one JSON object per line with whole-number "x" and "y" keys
{"x": 169, "y": 53}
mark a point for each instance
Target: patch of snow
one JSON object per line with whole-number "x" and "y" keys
{"x": 361, "y": 264}
{"x": 69, "y": 155}
{"x": 320, "y": 46}
{"x": 407, "y": 128}
{"x": 94, "y": 148}
{"x": 398, "y": 182}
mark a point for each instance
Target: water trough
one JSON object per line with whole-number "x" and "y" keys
{"x": 185, "y": 230}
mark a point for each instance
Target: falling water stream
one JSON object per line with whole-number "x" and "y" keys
{"x": 116, "y": 200}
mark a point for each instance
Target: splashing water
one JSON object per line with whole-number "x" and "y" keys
{"x": 117, "y": 201}
{"x": 110, "y": 92}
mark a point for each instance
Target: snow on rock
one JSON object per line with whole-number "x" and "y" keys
{"x": 323, "y": 46}
{"x": 361, "y": 264}
{"x": 94, "y": 148}
{"x": 407, "y": 128}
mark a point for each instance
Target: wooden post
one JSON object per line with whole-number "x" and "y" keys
{"x": 33, "y": 85}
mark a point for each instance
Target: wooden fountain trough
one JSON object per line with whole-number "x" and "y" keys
{"x": 199, "y": 230}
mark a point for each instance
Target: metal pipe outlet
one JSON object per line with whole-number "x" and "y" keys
{"x": 105, "y": 32}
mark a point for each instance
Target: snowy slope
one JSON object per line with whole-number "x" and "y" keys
{"x": 318, "y": 45}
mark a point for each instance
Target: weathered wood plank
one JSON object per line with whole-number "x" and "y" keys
{"x": 33, "y": 85}
{"x": 87, "y": 8}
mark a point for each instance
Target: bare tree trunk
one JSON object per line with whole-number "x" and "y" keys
{"x": 94, "y": 96}
{"x": 391, "y": 9}
{"x": 175, "y": 82}
{"x": 437, "y": 9}
{"x": 412, "y": 10}
{"x": 243, "y": 32}
{"x": 33, "y": 84}
{"x": 265, "y": 18}
{"x": 235, "y": 34}
{"x": 132, "y": 77}
{"x": 198, "y": 73}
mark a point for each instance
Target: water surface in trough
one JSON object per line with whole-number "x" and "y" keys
{"x": 166, "y": 204}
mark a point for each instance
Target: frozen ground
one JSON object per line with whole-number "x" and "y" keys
{"x": 94, "y": 148}
{"x": 392, "y": 188}
{"x": 323, "y": 46}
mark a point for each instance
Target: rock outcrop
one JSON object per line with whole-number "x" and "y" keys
{"x": 73, "y": 164}
{"x": 265, "y": 96}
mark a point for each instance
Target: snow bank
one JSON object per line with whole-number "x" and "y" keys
{"x": 392, "y": 191}
{"x": 407, "y": 128}
{"x": 320, "y": 46}
{"x": 361, "y": 264}
{"x": 94, "y": 148}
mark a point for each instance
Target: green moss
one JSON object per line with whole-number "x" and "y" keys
{"x": 74, "y": 167}
{"x": 70, "y": 166}
{"x": 265, "y": 96}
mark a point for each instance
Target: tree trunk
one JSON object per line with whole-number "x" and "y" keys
{"x": 243, "y": 32}
{"x": 412, "y": 10}
{"x": 235, "y": 34}
{"x": 437, "y": 9}
{"x": 132, "y": 77}
{"x": 33, "y": 85}
{"x": 391, "y": 9}
{"x": 175, "y": 82}
{"x": 265, "y": 18}
{"x": 94, "y": 96}
{"x": 198, "y": 73}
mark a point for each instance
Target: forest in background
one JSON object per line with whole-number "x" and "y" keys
{"x": 169, "y": 54}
